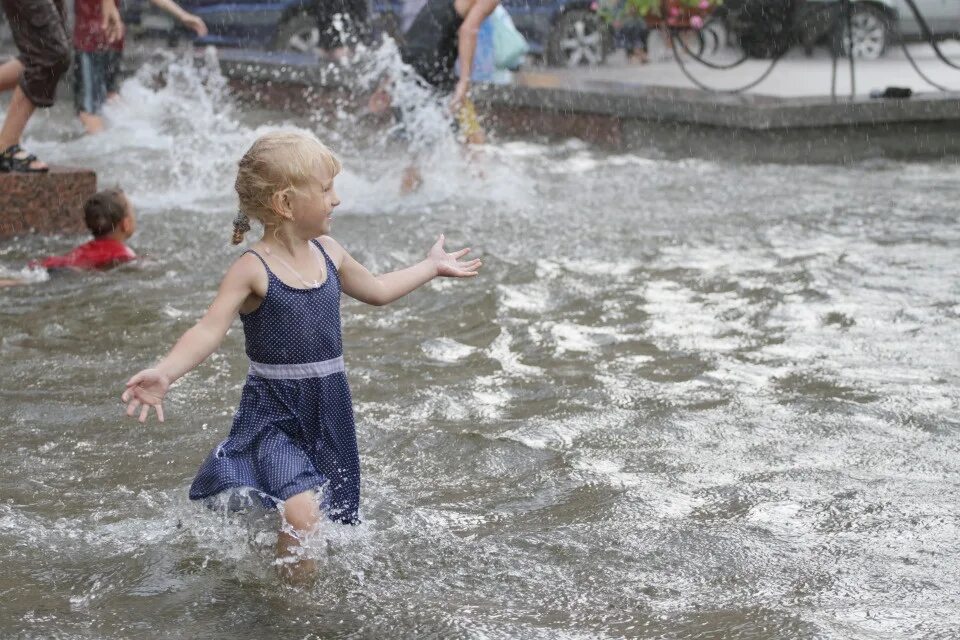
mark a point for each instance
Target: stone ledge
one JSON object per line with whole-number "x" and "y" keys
{"x": 552, "y": 93}
{"x": 45, "y": 202}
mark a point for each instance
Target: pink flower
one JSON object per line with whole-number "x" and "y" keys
{"x": 696, "y": 22}
{"x": 704, "y": 4}
{"x": 674, "y": 11}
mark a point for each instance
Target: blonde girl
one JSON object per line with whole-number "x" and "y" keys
{"x": 293, "y": 439}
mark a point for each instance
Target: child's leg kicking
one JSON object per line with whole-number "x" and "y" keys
{"x": 89, "y": 89}
{"x": 112, "y": 76}
{"x": 301, "y": 516}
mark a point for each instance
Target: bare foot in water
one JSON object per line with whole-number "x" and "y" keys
{"x": 297, "y": 571}
{"x": 92, "y": 123}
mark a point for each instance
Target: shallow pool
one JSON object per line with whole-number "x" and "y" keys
{"x": 685, "y": 399}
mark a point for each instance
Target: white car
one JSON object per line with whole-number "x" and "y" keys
{"x": 878, "y": 23}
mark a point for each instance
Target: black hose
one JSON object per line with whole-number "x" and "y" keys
{"x": 700, "y": 85}
{"x": 916, "y": 67}
{"x": 707, "y": 63}
{"x": 846, "y": 14}
{"x": 928, "y": 34}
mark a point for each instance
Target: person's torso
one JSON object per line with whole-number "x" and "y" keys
{"x": 99, "y": 253}
{"x": 293, "y": 325}
{"x": 430, "y": 44}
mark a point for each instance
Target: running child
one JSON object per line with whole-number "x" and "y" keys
{"x": 293, "y": 432}
{"x": 98, "y": 48}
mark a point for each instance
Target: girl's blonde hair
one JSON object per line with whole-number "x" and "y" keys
{"x": 277, "y": 162}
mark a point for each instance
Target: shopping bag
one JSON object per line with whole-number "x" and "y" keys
{"x": 509, "y": 46}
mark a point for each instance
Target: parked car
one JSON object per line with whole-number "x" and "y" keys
{"x": 565, "y": 32}
{"x": 767, "y": 28}
{"x": 261, "y": 24}
{"x": 877, "y": 23}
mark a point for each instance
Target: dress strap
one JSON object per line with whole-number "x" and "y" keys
{"x": 330, "y": 265}
{"x": 258, "y": 257}
{"x": 264, "y": 262}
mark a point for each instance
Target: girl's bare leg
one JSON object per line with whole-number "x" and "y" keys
{"x": 301, "y": 513}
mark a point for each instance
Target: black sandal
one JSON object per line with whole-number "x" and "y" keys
{"x": 10, "y": 163}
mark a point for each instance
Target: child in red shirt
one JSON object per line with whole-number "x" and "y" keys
{"x": 110, "y": 218}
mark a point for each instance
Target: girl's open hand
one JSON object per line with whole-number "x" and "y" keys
{"x": 145, "y": 390}
{"x": 449, "y": 265}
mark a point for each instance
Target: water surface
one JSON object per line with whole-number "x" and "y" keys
{"x": 685, "y": 399}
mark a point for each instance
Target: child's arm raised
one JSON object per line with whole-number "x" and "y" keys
{"x": 147, "y": 388}
{"x": 359, "y": 283}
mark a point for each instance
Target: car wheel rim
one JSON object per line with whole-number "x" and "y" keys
{"x": 868, "y": 36}
{"x": 305, "y": 40}
{"x": 581, "y": 45}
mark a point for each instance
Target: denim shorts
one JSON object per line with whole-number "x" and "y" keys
{"x": 96, "y": 74}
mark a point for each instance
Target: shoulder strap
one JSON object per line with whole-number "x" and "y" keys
{"x": 330, "y": 264}
{"x": 259, "y": 257}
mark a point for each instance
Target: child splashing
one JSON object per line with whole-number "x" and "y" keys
{"x": 293, "y": 432}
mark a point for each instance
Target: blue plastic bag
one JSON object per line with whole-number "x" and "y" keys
{"x": 509, "y": 45}
{"x": 483, "y": 58}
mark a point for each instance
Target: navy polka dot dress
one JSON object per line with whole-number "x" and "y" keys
{"x": 294, "y": 429}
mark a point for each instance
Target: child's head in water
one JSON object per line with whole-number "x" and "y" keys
{"x": 286, "y": 178}
{"x": 109, "y": 213}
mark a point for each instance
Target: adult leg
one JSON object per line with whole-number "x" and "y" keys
{"x": 635, "y": 34}
{"x": 18, "y": 114}
{"x": 10, "y": 72}
{"x": 39, "y": 31}
{"x": 301, "y": 517}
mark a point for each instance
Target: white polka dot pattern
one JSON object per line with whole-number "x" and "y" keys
{"x": 289, "y": 436}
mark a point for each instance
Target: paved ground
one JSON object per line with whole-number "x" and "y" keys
{"x": 796, "y": 75}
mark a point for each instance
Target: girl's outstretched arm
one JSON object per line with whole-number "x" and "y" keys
{"x": 359, "y": 283}
{"x": 147, "y": 388}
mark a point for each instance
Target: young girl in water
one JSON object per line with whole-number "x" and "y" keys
{"x": 293, "y": 431}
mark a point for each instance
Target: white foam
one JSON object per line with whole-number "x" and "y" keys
{"x": 570, "y": 336}
{"x": 446, "y": 349}
{"x": 26, "y": 275}
{"x": 533, "y": 297}
{"x": 500, "y": 350}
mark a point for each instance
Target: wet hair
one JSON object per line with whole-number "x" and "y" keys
{"x": 277, "y": 162}
{"x": 105, "y": 210}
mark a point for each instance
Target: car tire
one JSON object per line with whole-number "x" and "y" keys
{"x": 871, "y": 30}
{"x": 298, "y": 33}
{"x": 578, "y": 38}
